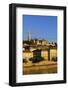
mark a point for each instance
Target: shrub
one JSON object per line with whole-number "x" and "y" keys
{"x": 37, "y": 59}
{"x": 24, "y": 61}
{"x": 54, "y": 58}
{"x": 31, "y": 59}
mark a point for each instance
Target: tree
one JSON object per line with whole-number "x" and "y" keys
{"x": 55, "y": 44}
{"x": 24, "y": 61}
{"x": 54, "y": 58}
{"x": 37, "y": 59}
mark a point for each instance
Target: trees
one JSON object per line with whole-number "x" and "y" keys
{"x": 55, "y": 44}
{"x": 54, "y": 58}
{"x": 36, "y": 59}
{"x": 24, "y": 61}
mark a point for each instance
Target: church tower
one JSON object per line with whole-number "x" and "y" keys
{"x": 29, "y": 36}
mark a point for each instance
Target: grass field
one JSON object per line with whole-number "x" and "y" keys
{"x": 40, "y": 68}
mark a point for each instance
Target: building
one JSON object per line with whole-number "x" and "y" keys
{"x": 27, "y": 55}
{"x": 48, "y": 54}
{"x": 44, "y": 54}
{"x": 44, "y": 42}
{"x": 37, "y": 52}
{"x": 53, "y": 53}
{"x": 41, "y": 42}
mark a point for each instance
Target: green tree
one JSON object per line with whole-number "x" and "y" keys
{"x": 24, "y": 61}
{"x": 37, "y": 59}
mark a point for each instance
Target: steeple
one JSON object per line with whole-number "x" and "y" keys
{"x": 29, "y": 36}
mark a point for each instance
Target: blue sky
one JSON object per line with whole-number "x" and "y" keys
{"x": 40, "y": 27}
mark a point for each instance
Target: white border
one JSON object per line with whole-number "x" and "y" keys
{"x": 43, "y": 77}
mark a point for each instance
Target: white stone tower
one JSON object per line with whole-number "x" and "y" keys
{"x": 29, "y": 36}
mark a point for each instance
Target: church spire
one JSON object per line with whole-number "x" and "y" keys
{"x": 29, "y": 36}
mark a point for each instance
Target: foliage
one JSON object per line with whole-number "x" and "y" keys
{"x": 24, "y": 61}
{"x": 54, "y": 58}
{"x": 36, "y": 59}
{"x": 55, "y": 44}
{"x": 31, "y": 59}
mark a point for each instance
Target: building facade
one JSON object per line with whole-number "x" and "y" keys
{"x": 48, "y": 54}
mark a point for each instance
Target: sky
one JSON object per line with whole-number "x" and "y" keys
{"x": 40, "y": 27}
